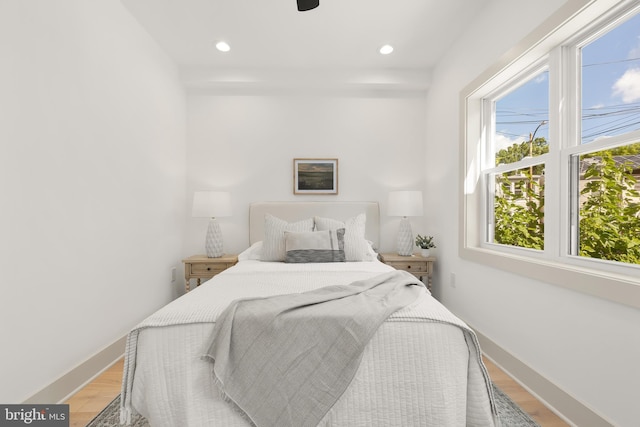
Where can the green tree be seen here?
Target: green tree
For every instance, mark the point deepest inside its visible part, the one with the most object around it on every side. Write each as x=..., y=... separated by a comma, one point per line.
x=519, y=214
x=610, y=215
x=609, y=211
x=517, y=152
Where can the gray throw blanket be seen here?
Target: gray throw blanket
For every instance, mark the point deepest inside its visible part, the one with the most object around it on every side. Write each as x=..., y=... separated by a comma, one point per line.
x=285, y=360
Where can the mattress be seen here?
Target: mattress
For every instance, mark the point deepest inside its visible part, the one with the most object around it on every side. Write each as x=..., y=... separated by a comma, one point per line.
x=421, y=368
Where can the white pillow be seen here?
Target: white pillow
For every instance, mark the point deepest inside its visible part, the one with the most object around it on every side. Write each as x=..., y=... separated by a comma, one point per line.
x=356, y=247
x=254, y=252
x=372, y=254
x=273, y=246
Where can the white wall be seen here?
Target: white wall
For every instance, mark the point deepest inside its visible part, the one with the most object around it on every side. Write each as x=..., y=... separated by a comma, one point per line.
x=92, y=184
x=586, y=346
x=94, y=212
x=246, y=144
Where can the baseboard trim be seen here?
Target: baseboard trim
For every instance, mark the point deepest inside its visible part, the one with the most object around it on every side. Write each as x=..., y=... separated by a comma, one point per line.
x=68, y=384
x=563, y=404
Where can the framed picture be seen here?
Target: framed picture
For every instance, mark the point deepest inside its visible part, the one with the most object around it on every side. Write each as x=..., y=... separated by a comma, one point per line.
x=315, y=176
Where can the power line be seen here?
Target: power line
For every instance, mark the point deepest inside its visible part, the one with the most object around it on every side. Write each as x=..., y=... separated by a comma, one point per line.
x=609, y=131
x=599, y=121
x=610, y=62
x=508, y=134
x=618, y=121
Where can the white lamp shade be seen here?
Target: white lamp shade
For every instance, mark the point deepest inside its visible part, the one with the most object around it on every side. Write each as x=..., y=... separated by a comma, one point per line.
x=211, y=204
x=405, y=203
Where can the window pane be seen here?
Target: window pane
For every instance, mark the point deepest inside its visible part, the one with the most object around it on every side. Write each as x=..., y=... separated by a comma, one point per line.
x=611, y=82
x=518, y=209
x=522, y=117
x=609, y=204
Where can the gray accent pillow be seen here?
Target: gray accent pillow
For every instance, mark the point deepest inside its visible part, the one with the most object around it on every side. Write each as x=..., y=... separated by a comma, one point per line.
x=318, y=246
x=356, y=247
x=273, y=248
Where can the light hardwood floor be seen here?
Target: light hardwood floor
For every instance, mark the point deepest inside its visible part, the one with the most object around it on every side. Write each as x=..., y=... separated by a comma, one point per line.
x=529, y=404
x=90, y=400
x=95, y=396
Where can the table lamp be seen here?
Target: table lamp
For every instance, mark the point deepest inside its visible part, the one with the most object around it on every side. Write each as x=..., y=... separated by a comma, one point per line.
x=405, y=204
x=212, y=204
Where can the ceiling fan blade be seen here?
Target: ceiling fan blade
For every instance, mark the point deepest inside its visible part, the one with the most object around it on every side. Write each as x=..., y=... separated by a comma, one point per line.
x=304, y=5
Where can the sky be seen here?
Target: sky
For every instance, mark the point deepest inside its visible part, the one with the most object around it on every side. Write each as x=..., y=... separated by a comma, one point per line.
x=610, y=95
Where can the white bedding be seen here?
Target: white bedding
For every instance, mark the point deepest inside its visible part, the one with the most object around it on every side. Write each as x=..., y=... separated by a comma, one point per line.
x=421, y=368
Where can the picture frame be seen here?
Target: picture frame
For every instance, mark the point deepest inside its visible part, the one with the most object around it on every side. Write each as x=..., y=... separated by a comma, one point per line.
x=315, y=176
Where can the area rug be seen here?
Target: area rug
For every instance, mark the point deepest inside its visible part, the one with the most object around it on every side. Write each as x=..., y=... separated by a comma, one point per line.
x=510, y=414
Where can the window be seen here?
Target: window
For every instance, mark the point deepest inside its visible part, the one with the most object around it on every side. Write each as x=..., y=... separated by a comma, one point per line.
x=552, y=155
x=606, y=204
x=610, y=68
x=519, y=140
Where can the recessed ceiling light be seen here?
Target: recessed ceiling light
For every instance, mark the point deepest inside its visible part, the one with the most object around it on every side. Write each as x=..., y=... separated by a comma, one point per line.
x=386, y=49
x=223, y=46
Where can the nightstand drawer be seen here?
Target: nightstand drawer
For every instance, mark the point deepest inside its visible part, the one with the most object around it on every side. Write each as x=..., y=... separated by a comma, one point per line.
x=411, y=267
x=415, y=264
x=202, y=269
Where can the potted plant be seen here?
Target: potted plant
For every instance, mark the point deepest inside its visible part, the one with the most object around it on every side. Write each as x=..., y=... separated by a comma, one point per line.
x=425, y=243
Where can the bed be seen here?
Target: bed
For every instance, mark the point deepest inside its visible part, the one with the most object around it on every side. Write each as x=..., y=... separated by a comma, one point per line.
x=421, y=367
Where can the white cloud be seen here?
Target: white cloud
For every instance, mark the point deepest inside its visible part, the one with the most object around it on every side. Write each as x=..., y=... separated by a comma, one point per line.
x=502, y=141
x=541, y=78
x=628, y=86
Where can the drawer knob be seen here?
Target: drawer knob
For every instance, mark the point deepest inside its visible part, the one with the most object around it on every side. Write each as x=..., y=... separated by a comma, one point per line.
x=408, y=267
x=208, y=268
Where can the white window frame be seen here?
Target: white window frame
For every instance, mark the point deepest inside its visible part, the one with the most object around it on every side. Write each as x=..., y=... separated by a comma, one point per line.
x=488, y=161
x=550, y=42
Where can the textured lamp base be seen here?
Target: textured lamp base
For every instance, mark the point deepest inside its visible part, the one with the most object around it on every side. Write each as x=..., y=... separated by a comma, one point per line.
x=213, y=243
x=405, y=238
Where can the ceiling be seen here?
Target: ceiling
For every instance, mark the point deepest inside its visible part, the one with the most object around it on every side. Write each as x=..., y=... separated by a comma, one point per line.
x=270, y=37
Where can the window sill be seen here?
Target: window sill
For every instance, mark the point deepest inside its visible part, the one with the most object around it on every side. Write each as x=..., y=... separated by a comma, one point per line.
x=621, y=289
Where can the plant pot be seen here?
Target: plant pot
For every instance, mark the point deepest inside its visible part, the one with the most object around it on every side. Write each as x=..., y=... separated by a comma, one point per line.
x=424, y=252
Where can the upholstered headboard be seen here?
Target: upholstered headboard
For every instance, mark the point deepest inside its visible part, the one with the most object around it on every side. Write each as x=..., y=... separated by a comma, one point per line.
x=294, y=211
